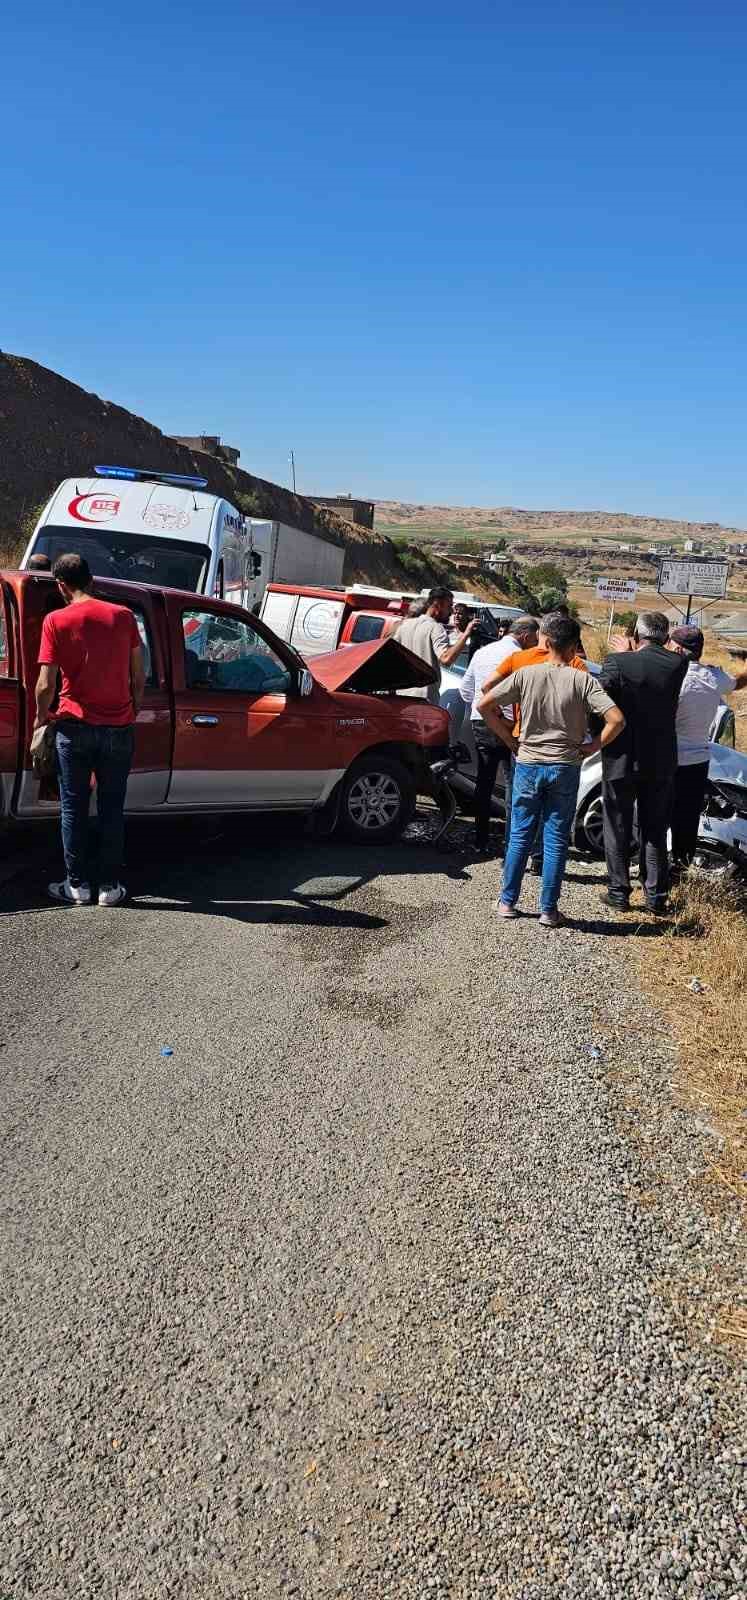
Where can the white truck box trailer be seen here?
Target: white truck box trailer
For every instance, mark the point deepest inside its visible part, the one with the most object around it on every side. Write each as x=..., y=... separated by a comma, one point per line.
x=290, y=555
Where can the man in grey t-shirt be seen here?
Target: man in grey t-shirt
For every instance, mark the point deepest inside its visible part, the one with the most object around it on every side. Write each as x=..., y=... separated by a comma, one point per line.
x=555, y=702
x=428, y=637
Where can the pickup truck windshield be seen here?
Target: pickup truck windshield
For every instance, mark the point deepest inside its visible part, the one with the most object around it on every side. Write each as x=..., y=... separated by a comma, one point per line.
x=170, y=563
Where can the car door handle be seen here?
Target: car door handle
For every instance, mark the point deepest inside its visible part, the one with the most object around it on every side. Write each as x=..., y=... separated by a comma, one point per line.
x=205, y=722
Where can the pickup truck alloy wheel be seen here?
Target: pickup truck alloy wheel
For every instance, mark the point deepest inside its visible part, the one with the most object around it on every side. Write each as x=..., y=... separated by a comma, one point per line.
x=377, y=800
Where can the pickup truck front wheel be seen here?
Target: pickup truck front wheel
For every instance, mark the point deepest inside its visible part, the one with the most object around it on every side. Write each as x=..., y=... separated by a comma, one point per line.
x=378, y=800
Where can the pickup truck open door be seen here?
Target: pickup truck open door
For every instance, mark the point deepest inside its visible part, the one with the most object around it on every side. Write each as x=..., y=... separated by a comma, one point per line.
x=151, y=766
x=10, y=706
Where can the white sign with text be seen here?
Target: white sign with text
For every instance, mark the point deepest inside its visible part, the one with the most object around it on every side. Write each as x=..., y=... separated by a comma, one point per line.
x=616, y=590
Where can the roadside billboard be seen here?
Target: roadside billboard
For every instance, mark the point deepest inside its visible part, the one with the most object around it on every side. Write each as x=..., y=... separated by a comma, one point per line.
x=704, y=578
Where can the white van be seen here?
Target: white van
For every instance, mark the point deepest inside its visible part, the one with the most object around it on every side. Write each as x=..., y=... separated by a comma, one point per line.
x=151, y=527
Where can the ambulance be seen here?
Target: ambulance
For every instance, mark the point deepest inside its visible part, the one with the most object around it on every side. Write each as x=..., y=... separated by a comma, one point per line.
x=151, y=527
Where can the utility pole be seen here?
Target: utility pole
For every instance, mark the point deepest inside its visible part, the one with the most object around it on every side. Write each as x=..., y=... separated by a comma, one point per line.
x=293, y=470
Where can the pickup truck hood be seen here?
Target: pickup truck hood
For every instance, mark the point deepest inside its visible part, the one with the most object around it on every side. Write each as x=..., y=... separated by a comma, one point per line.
x=382, y=664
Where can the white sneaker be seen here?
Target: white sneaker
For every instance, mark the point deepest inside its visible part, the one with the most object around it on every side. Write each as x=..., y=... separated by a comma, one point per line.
x=112, y=894
x=70, y=894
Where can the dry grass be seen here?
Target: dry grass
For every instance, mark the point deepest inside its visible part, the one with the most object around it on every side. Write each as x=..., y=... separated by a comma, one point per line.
x=595, y=641
x=11, y=551
x=708, y=942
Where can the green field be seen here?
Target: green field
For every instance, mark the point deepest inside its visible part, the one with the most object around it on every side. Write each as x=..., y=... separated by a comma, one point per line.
x=419, y=533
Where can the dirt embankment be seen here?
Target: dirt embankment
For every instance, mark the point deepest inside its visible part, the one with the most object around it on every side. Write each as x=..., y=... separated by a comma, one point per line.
x=52, y=429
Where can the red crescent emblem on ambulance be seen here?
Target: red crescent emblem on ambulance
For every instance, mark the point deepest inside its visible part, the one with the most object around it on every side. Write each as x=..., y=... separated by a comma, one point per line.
x=94, y=507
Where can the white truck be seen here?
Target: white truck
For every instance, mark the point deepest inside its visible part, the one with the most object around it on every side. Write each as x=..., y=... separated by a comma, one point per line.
x=166, y=529
x=290, y=555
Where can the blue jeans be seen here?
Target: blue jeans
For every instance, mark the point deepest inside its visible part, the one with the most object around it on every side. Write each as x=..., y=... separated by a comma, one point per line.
x=82, y=750
x=545, y=797
x=535, y=849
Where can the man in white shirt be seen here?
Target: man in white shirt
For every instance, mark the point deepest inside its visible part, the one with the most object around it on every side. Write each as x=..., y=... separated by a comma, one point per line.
x=489, y=748
x=700, y=698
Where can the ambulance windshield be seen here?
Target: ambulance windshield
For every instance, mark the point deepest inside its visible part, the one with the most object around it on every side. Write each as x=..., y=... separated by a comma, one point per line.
x=135, y=557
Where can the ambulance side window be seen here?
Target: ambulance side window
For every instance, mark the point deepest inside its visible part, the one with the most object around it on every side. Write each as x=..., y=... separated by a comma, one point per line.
x=234, y=560
x=234, y=564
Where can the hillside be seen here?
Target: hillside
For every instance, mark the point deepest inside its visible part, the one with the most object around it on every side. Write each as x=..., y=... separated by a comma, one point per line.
x=445, y=522
x=51, y=429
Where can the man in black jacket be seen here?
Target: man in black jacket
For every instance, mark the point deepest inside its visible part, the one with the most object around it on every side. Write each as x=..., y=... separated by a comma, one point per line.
x=643, y=678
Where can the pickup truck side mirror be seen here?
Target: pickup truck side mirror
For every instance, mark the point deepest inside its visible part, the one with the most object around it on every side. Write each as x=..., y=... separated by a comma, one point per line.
x=305, y=684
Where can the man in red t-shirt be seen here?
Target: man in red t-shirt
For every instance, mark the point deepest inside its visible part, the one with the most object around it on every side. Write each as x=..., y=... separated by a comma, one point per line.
x=95, y=647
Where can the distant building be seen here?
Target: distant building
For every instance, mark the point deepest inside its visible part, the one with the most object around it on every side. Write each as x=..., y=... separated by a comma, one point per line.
x=360, y=512
x=692, y=546
x=211, y=443
x=625, y=547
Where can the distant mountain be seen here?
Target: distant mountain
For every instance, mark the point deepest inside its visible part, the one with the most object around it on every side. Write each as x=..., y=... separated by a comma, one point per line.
x=400, y=516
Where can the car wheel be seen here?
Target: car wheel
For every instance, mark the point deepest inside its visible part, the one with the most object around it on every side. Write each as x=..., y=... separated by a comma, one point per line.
x=378, y=800
x=589, y=833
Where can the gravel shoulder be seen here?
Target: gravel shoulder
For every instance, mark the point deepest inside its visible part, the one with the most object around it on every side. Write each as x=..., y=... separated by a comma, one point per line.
x=382, y=1284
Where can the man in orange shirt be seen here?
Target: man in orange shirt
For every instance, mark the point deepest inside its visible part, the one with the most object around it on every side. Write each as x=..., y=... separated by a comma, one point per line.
x=535, y=657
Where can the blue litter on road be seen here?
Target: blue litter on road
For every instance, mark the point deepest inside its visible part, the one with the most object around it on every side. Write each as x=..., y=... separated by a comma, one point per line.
x=166, y=1050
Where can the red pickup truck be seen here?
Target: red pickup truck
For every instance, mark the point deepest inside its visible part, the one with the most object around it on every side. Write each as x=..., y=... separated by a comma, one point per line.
x=232, y=719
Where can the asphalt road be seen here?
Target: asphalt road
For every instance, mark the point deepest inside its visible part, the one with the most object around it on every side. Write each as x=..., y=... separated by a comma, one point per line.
x=392, y=1279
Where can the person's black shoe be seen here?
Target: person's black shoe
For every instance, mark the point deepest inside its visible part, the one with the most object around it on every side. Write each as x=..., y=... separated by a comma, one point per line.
x=535, y=867
x=659, y=908
x=618, y=902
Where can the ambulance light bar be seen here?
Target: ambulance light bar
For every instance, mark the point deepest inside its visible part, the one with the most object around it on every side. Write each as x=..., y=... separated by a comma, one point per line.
x=144, y=475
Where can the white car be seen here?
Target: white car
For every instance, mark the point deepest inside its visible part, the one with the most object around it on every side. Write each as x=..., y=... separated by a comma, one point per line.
x=588, y=825
x=717, y=831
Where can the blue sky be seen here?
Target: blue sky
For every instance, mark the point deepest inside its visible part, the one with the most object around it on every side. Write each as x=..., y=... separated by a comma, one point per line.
x=476, y=254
